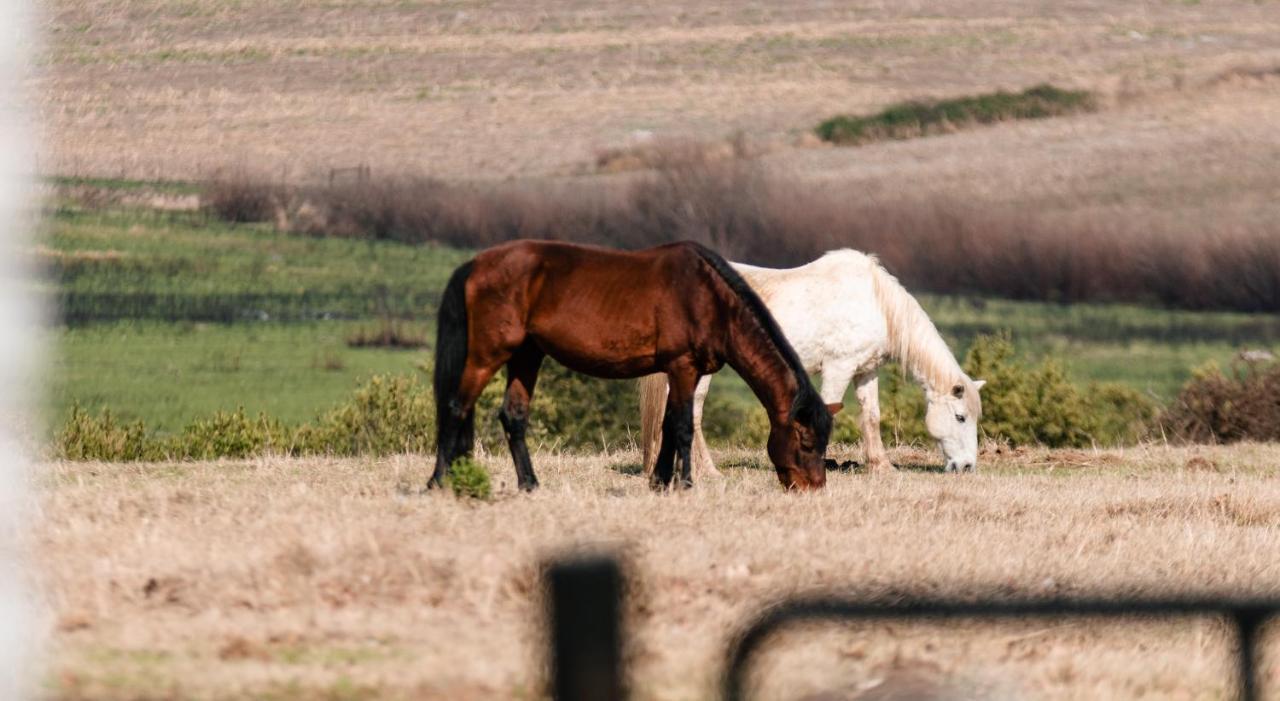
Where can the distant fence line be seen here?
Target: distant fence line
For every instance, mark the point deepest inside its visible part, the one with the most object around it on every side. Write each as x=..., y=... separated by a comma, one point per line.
x=78, y=308
x=585, y=597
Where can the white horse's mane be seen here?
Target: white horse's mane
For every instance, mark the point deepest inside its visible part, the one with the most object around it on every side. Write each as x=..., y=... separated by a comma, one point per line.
x=914, y=341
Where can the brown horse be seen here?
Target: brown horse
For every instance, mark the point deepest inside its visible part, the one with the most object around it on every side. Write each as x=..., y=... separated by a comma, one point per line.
x=679, y=309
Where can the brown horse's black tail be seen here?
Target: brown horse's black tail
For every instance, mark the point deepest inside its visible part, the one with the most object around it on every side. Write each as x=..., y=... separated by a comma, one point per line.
x=455, y=429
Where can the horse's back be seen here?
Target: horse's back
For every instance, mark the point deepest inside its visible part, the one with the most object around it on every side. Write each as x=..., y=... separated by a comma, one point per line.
x=597, y=310
x=827, y=308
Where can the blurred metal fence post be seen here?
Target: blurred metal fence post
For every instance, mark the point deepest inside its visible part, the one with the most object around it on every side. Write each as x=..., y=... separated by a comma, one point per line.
x=1247, y=621
x=585, y=602
x=1248, y=616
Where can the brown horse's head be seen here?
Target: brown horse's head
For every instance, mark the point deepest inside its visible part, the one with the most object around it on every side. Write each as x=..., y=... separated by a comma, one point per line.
x=798, y=444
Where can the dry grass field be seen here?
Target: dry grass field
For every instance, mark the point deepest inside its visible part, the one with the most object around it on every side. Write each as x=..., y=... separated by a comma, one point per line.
x=159, y=89
x=286, y=579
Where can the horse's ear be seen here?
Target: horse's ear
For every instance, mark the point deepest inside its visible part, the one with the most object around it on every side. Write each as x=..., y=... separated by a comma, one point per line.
x=957, y=391
x=978, y=384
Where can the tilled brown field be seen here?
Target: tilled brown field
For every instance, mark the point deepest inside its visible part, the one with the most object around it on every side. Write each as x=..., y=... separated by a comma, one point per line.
x=282, y=578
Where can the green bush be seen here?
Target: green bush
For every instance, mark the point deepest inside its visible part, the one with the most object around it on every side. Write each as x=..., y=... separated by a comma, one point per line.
x=569, y=410
x=388, y=415
x=911, y=119
x=468, y=479
x=1125, y=416
x=1021, y=405
x=1028, y=406
x=229, y=435
x=88, y=437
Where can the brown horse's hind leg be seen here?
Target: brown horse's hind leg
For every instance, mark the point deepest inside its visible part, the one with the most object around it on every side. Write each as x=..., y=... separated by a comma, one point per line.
x=522, y=375
x=462, y=415
x=677, y=432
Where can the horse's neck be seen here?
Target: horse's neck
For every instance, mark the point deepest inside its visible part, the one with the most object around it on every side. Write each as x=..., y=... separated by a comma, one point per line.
x=756, y=358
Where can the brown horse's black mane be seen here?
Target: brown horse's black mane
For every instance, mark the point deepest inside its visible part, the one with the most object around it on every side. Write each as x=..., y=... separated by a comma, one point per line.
x=808, y=405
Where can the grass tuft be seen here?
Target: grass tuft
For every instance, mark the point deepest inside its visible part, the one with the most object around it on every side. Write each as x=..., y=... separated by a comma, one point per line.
x=469, y=480
x=909, y=120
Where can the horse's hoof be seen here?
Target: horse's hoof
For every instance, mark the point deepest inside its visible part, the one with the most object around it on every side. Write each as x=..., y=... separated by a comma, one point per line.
x=528, y=486
x=846, y=466
x=881, y=467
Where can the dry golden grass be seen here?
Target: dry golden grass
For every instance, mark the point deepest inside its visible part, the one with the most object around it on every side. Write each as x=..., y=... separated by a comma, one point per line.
x=286, y=578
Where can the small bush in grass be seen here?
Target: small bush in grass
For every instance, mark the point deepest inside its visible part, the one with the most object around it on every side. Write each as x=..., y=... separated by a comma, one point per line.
x=1125, y=416
x=1028, y=406
x=569, y=410
x=1224, y=407
x=388, y=415
x=229, y=435
x=468, y=479
x=911, y=119
x=1021, y=405
x=240, y=199
x=88, y=437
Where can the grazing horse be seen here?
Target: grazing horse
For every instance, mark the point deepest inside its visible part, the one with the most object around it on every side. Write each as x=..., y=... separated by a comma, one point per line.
x=845, y=315
x=678, y=309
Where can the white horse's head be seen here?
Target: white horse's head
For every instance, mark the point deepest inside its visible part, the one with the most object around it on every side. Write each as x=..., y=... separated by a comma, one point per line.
x=952, y=420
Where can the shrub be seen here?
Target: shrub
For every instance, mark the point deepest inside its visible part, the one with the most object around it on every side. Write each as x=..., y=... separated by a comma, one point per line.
x=388, y=415
x=1124, y=415
x=88, y=437
x=229, y=435
x=912, y=119
x=1021, y=405
x=1221, y=407
x=1027, y=406
x=468, y=479
x=569, y=410
x=902, y=407
x=241, y=198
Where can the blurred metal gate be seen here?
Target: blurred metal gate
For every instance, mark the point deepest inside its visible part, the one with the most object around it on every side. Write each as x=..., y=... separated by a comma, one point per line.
x=585, y=598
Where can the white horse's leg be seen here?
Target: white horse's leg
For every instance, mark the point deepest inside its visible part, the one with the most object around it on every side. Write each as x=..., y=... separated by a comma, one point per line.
x=703, y=465
x=868, y=392
x=835, y=380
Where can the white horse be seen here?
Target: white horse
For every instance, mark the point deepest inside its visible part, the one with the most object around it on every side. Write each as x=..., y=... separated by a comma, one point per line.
x=846, y=315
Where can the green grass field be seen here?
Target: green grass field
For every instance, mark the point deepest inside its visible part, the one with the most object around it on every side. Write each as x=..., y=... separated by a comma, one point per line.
x=168, y=318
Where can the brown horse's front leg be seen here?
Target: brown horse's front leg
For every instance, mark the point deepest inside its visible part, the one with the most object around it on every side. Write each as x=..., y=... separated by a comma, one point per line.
x=677, y=433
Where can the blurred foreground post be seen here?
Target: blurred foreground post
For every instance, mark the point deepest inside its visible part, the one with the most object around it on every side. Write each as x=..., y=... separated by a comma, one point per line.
x=585, y=605
x=20, y=321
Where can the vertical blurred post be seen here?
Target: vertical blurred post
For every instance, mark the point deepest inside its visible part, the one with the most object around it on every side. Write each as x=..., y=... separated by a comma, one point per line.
x=586, y=629
x=1248, y=624
x=19, y=318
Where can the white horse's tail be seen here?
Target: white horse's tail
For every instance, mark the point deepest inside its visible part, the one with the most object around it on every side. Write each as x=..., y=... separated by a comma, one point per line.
x=653, y=406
